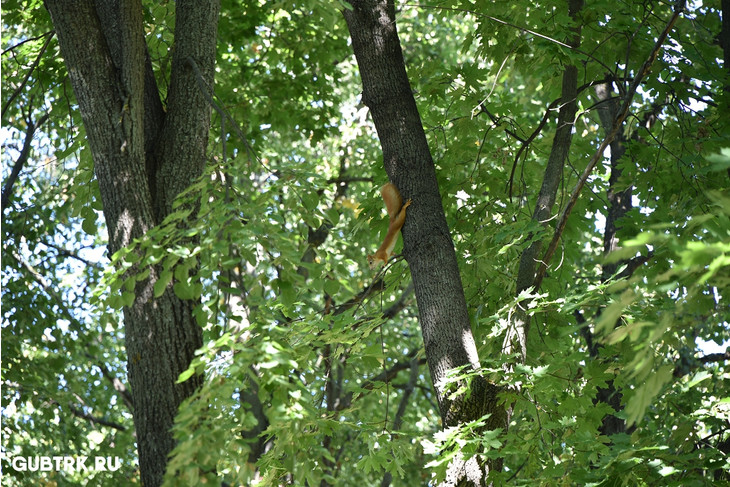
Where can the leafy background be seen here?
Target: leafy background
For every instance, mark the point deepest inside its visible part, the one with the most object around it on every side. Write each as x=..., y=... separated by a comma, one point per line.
x=299, y=329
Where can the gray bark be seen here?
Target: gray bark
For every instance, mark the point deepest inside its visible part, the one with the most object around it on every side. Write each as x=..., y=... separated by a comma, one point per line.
x=104, y=50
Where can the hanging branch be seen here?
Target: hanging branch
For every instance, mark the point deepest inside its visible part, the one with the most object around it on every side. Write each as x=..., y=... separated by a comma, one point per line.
x=617, y=126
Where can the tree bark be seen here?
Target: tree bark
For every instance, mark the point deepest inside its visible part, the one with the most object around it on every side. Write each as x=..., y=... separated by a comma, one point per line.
x=428, y=247
x=134, y=144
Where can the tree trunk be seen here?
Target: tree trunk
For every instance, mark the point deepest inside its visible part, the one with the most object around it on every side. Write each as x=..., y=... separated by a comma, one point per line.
x=428, y=247
x=143, y=158
x=516, y=338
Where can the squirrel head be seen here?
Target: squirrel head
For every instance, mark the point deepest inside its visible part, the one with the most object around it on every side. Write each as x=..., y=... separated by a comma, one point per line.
x=375, y=262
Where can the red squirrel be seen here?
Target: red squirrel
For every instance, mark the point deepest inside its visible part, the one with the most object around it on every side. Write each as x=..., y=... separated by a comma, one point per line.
x=397, y=214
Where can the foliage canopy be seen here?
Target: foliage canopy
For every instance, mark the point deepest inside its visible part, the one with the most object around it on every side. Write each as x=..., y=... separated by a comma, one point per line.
x=314, y=368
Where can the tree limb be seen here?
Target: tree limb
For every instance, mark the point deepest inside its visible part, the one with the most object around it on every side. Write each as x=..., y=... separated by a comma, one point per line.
x=117, y=384
x=685, y=366
x=74, y=255
x=79, y=413
x=385, y=376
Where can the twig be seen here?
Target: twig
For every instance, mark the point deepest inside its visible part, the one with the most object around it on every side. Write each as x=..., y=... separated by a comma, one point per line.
x=117, y=384
x=30, y=39
x=526, y=143
x=398, y=420
x=524, y=30
x=67, y=253
x=683, y=367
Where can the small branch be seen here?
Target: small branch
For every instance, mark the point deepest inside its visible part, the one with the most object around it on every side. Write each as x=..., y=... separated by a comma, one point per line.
x=715, y=357
x=117, y=384
x=634, y=264
x=400, y=304
x=684, y=366
x=27, y=75
x=524, y=30
x=20, y=162
x=74, y=410
x=67, y=253
x=374, y=286
x=410, y=386
x=93, y=419
x=206, y=92
x=350, y=179
x=30, y=39
x=385, y=376
x=526, y=143
x=617, y=126
x=46, y=286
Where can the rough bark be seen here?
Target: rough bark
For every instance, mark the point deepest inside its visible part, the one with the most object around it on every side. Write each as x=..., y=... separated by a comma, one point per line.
x=103, y=47
x=428, y=247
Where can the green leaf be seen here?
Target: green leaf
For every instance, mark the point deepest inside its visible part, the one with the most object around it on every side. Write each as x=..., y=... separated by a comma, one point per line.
x=184, y=290
x=88, y=224
x=162, y=282
x=331, y=286
x=644, y=394
x=287, y=293
x=721, y=161
x=128, y=298
x=188, y=373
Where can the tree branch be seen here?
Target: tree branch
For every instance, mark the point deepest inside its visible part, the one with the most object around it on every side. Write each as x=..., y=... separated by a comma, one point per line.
x=384, y=376
x=21, y=161
x=79, y=413
x=30, y=39
x=117, y=384
x=32, y=68
x=67, y=253
x=684, y=367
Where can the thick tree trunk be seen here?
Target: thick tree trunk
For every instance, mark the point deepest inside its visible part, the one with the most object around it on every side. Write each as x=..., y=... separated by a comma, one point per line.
x=428, y=247
x=104, y=50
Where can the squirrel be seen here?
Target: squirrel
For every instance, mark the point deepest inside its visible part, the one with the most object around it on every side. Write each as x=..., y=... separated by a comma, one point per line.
x=397, y=214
